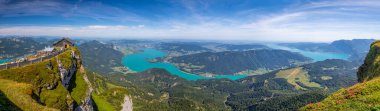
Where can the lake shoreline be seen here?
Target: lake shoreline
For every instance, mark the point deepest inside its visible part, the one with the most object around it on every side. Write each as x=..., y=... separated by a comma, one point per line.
x=140, y=62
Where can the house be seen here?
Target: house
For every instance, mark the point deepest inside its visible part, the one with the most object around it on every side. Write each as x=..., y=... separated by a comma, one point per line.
x=63, y=44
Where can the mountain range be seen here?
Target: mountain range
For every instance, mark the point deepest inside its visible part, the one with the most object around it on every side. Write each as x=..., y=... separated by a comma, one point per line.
x=232, y=62
x=356, y=48
x=292, y=83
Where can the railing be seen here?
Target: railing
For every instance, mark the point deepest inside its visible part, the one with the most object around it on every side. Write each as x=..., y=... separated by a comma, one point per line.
x=28, y=62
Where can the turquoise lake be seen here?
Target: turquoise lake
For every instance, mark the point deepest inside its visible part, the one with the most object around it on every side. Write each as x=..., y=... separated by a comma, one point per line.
x=5, y=60
x=316, y=56
x=139, y=62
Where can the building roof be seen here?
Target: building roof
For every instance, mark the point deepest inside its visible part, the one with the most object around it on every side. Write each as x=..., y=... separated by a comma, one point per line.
x=67, y=39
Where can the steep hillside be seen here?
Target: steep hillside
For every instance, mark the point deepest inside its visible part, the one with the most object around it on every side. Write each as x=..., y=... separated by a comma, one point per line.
x=158, y=89
x=301, y=85
x=12, y=47
x=356, y=48
x=231, y=62
x=362, y=96
x=100, y=57
x=106, y=96
x=40, y=86
x=370, y=68
x=330, y=74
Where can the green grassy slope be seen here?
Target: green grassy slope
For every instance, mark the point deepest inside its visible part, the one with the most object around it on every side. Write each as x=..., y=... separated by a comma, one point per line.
x=295, y=75
x=78, y=88
x=363, y=96
x=36, y=77
x=19, y=94
x=107, y=96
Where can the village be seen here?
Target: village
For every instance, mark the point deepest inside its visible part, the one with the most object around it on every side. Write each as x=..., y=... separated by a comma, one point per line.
x=57, y=48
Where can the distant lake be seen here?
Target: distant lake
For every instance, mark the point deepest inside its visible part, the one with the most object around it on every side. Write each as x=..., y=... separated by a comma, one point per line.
x=316, y=56
x=139, y=62
x=5, y=60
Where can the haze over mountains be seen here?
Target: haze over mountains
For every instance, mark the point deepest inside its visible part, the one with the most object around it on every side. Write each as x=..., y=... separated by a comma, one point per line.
x=357, y=48
x=272, y=79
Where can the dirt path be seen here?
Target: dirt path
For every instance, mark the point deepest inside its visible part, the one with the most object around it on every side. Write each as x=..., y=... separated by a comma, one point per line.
x=127, y=105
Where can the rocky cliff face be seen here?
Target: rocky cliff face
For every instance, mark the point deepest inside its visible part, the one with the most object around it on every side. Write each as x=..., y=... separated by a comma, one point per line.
x=58, y=83
x=371, y=65
x=87, y=103
x=67, y=74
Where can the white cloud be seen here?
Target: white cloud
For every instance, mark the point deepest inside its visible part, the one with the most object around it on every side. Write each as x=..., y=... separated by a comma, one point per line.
x=317, y=21
x=93, y=10
x=26, y=8
x=98, y=27
x=210, y=31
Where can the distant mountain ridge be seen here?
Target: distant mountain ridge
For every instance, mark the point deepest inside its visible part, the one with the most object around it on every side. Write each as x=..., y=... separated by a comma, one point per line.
x=12, y=47
x=182, y=47
x=242, y=47
x=230, y=62
x=100, y=57
x=357, y=48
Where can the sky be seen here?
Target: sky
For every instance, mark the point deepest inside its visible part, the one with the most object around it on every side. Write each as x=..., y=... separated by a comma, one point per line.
x=251, y=20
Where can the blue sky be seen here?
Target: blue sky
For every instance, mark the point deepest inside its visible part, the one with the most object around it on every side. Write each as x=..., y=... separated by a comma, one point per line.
x=256, y=20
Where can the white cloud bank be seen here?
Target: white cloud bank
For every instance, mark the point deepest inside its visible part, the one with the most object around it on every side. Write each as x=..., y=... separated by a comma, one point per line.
x=255, y=32
x=320, y=21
